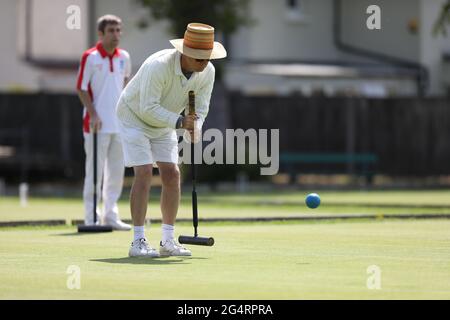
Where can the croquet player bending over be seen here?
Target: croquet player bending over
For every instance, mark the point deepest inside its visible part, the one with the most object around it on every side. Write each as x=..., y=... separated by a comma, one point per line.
x=149, y=112
x=103, y=73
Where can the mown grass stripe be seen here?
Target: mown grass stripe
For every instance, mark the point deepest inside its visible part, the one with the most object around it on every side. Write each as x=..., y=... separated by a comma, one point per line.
x=245, y=219
x=32, y=223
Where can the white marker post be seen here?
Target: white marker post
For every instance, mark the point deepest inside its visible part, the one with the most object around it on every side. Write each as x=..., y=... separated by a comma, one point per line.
x=23, y=194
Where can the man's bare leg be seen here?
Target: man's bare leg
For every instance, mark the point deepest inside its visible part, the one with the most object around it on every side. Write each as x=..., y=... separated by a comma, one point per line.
x=138, y=205
x=170, y=194
x=170, y=200
x=140, y=193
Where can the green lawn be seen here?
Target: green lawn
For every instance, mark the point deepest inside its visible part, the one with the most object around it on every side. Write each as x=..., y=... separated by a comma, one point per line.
x=388, y=197
x=249, y=261
x=271, y=260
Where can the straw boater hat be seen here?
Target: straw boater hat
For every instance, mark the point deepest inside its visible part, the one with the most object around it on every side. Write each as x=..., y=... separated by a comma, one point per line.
x=198, y=43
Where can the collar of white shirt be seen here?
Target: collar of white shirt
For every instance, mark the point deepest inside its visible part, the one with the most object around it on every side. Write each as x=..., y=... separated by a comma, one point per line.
x=178, y=70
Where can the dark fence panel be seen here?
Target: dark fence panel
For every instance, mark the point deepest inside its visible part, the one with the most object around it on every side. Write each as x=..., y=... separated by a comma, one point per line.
x=45, y=131
x=409, y=136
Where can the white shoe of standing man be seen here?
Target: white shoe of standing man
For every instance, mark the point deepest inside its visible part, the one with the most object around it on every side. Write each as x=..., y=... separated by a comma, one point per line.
x=141, y=248
x=118, y=225
x=172, y=248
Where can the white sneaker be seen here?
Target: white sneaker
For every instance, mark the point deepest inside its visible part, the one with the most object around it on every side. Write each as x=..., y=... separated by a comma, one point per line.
x=118, y=225
x=141, y=248
x=173, y=248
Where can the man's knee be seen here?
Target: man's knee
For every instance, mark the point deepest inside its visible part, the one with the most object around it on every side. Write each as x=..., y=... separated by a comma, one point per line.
x=170, y=175
x=143, y=174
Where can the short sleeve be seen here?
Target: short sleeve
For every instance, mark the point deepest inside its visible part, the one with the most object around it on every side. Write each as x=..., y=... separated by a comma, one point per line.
x=84, y=72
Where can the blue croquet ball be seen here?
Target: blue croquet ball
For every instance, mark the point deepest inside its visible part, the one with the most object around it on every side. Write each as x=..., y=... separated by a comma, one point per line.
x=312, y=200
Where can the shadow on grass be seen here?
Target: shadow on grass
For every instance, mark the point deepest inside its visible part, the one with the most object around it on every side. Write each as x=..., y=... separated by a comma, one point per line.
x=71, y=234
x=76, y=233
x=162, y=260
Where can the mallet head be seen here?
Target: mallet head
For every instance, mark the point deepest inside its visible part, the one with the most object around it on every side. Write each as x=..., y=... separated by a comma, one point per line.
x=198, y=241
x=94, y=228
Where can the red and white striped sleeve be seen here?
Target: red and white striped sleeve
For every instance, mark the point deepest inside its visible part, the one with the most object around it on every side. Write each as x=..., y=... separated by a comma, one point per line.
x=85, y=72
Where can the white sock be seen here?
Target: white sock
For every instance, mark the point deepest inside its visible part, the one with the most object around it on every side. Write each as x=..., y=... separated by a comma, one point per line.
x=168, y=231
x=139, y=232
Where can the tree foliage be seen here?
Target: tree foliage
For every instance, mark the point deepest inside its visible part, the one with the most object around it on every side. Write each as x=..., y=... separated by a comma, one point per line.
x=225, y=15
x=443, y=21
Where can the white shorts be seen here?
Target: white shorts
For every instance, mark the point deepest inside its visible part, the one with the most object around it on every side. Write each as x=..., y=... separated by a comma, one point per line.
x=141, y=147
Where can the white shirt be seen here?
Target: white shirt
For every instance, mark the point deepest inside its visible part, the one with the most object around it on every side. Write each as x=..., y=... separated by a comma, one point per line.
x=103, y=76
x=158, y=93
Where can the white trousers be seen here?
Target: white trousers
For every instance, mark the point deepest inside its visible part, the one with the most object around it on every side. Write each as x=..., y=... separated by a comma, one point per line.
x=110, y=172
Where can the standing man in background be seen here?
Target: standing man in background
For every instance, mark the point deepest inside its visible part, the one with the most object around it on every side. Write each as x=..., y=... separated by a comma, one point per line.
x=104, y=71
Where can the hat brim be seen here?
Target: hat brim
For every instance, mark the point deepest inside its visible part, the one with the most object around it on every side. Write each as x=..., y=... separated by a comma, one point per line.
x=218, y=52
